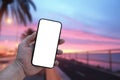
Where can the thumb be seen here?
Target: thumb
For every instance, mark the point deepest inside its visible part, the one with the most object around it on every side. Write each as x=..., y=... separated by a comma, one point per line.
x=30, y=38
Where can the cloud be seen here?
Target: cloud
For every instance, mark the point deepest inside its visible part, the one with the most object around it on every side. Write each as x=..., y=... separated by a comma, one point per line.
x=77, y=40
x=81, y=35
x=12, y=32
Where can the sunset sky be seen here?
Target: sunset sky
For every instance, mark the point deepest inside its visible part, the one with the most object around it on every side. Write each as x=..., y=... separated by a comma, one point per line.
x=87, y=24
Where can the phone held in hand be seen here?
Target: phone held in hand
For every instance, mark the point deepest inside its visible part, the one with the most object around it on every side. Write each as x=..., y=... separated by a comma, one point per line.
x=48, y=34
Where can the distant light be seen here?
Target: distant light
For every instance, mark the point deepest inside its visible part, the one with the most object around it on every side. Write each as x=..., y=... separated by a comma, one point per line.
x=16, y=44
x=71, y=51
x=9, y=20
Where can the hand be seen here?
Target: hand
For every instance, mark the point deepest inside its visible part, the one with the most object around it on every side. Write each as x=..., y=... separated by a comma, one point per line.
x=24, y=55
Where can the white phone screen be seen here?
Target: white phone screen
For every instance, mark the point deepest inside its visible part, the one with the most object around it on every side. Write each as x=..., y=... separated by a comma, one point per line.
x=46, y=44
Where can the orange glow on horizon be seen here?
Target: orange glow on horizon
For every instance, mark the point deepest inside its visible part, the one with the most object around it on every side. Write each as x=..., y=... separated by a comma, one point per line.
x=71, y=51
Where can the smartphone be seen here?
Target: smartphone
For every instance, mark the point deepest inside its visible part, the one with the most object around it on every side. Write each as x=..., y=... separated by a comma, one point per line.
x=46, y=44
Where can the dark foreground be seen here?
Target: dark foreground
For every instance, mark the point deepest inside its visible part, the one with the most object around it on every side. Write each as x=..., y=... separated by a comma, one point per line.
x=78, y=71
x=75, y=71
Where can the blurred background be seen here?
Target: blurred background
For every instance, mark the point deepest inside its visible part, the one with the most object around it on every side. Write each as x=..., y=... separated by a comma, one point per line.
x=90, y=29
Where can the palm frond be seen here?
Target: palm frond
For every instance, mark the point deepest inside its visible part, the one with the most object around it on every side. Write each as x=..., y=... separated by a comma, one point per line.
x=20, y=10
x=22, y=18
x=25, y=10
x=2, y=10
x=33, y=5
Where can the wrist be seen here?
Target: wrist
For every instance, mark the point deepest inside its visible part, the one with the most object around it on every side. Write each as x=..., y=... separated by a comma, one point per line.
x=20, y=70
x=13, y=72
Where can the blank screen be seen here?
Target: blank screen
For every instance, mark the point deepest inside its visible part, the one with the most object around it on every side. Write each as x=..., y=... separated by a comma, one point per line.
x=46, y=43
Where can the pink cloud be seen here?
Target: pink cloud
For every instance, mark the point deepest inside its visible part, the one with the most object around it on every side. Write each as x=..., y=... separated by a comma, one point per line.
x=80, y=35
x=67, y=34
x=86, y=47
x=14, y=31
x=77, y=34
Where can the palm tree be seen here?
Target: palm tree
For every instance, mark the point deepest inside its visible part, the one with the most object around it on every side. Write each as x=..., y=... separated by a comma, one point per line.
x=18, y=9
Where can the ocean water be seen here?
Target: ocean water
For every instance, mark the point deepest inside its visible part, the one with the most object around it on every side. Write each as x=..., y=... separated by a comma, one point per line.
x=101, y=60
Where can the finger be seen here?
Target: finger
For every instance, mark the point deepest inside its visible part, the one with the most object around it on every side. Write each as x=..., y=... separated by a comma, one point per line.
x=30, y=38
x=32, y=45
x=61, y=41
x=56, y=63
x=59, y=52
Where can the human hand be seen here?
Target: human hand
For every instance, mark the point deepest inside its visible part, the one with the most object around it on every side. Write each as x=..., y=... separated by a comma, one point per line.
x=24, y=55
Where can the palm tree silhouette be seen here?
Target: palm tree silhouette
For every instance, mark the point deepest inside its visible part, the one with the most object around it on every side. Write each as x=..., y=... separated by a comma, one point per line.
x=18, y=9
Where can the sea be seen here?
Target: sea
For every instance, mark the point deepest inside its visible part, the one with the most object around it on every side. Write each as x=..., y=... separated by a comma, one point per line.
x=102, y=60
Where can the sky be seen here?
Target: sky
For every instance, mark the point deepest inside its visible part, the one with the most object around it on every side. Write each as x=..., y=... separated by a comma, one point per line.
x=86, y=24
